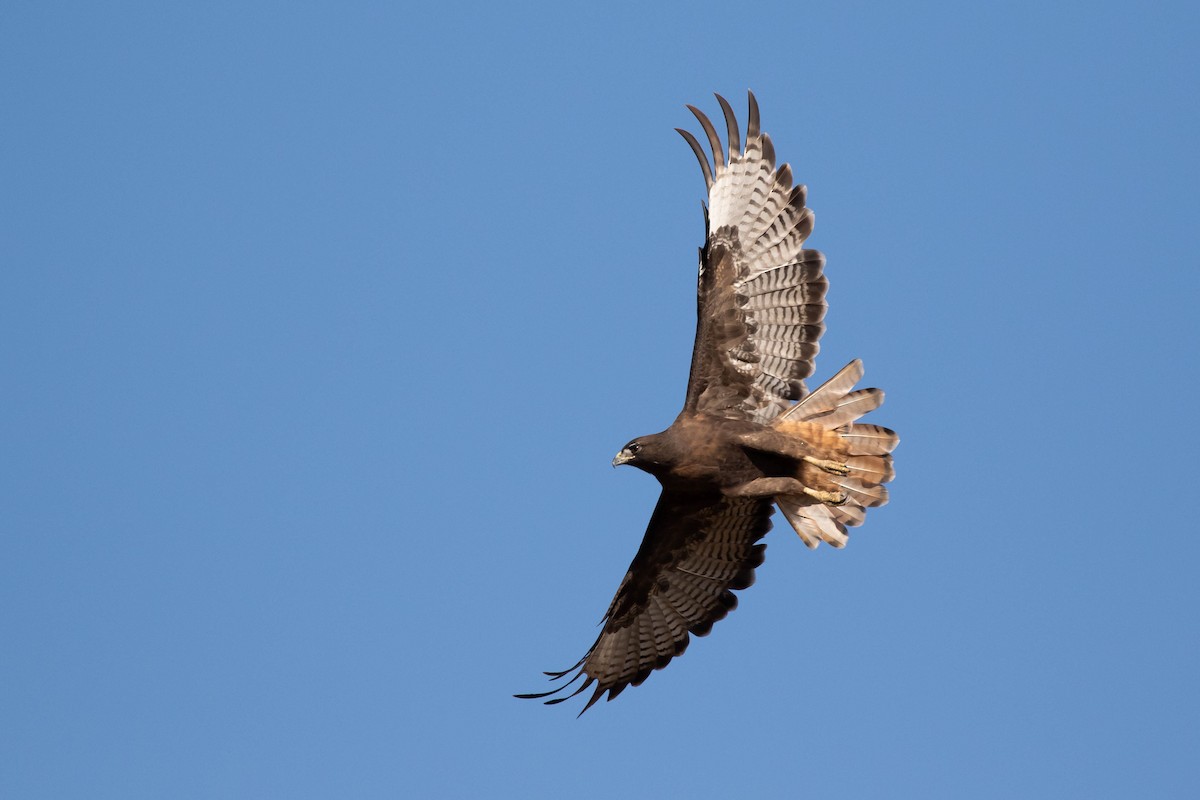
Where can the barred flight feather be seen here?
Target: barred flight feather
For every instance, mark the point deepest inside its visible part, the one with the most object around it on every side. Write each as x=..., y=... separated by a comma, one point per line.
x=790, y=229
x=791, y=316
x=796, y=334
x=788, y=297
x=653, y=616
x=756, y=225
x=783, y=277
x=778, y=347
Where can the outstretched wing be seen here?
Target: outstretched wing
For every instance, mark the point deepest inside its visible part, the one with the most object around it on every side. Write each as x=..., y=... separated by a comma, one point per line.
x=760, y=295
x=695, y=552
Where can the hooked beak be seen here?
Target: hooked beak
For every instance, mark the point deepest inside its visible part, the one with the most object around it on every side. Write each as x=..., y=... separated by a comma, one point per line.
x=623, y=457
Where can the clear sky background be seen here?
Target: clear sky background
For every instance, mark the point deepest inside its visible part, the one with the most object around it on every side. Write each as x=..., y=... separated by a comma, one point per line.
x=320, y=323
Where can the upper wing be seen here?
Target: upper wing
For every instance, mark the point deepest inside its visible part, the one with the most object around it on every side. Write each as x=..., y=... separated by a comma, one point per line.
x=760, y=294
x=694, y=553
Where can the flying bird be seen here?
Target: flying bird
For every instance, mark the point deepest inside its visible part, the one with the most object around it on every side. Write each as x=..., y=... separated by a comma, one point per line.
x=750, y=436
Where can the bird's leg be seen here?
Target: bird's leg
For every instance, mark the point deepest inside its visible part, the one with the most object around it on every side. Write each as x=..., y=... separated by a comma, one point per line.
x=773, y=487
x=792, y=447
x=775, y=442
x=767, y=487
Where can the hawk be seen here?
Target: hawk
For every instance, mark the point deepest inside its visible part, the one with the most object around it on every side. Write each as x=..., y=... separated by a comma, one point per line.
x=750, y=436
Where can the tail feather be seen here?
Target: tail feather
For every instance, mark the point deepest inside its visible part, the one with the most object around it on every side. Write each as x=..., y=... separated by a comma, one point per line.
x=866, y=495
x=827, y=420
x=851, y=407
x=874, y=469
x=871, y=440
x=813, y=521
x=849, y=514
x=825, y=398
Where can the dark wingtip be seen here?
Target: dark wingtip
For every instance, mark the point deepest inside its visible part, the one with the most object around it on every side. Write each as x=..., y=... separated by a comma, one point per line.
x=699, y=151
x=768, y=149
x=731, y=128
x=562, y=673
x=555, y=676
x=555, y=690
x=783, y=176
x=591, y=702
x=714, y=141
x=799, y=196
x=752, y=126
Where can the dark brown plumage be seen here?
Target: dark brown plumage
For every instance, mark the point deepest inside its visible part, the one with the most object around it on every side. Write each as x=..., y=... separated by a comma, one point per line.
x=741, y=444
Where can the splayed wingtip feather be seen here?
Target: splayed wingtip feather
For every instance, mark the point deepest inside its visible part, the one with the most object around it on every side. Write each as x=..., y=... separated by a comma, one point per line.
x=731, y=128
x=700, y=156
x=752, y=125
x=714, y=141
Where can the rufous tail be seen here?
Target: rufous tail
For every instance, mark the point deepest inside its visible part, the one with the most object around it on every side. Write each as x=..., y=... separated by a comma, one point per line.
x=827, y=421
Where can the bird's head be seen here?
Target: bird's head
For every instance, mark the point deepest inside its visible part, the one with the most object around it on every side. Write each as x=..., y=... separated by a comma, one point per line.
x=649, y=453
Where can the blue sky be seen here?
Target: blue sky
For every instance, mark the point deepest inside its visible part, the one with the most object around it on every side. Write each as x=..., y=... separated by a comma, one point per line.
x=320, y=323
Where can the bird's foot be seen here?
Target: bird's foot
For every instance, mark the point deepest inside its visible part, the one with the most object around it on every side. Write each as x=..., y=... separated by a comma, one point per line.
x=829, y=498
x=829, y=466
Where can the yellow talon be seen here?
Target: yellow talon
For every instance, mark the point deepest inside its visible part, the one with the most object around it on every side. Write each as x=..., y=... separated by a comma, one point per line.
x=829, y=498
x=828, y=466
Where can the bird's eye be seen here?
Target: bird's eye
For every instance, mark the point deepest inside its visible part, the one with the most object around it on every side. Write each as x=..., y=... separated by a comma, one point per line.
x=634, y=448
